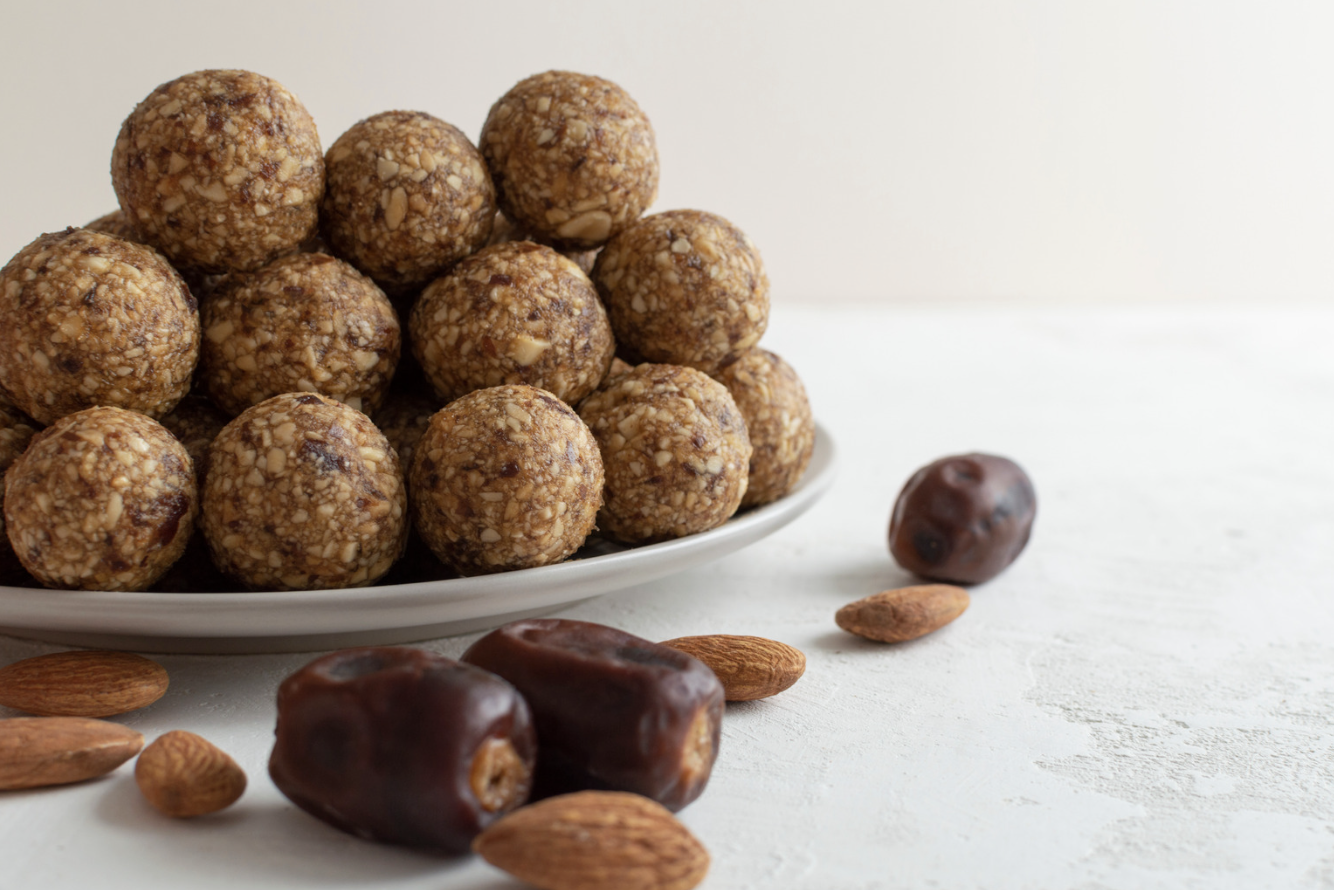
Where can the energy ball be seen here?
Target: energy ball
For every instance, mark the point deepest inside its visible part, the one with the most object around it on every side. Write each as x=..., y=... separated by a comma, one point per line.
x=16, y=431
x=505, y=231
x=513, y=313
x=684, y=287
x=304, y=492
x=963, y=519
x=675, y=449
x=196, y=422
x=103, y=499
x=116, y=224
x=408, y=195
x=220, y=170
x=304, y=323
x=94, y=320
x=505, y=478
x=778, y=419
x=573, y=158
x=404, y=419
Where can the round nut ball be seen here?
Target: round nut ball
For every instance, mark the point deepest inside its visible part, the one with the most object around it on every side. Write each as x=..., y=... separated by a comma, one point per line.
x=778, y=419
x=505, y=478
x=116, y=224
x=573, y=158
x=103, y=499
x=403, y=419
x=94, y=320
x=304, y=492
x=684, y=287
x=505, y=231
x=220, y=170
x=408, y=195
x=963, y=519
x=675, y=449
x=196, y=422
x=513, y=313
x=306, y=322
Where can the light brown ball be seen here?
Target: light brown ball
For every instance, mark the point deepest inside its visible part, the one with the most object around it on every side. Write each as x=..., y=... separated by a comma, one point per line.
x=103, y=499
x=220, y=170
x=304, y=323
x=408, y=195
x=304, y=492
x=675, y=450
x=514, y=313
x=505, y=478
x=93, y=320
x=778, y=418
x=684, y=287
x=572, y=156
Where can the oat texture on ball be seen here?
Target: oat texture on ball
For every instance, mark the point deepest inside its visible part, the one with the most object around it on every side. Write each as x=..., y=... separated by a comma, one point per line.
x=573, y=158
x=220, y=170
x=685, y=288
x=91, y=320
x=675, y=449
x=304, y=492
x=408, y=194
x=103, y=499
x=505, y=231
x=505, y=478
x=306, y=322
x=513, y=313
x=778, y=418
x=117, y=224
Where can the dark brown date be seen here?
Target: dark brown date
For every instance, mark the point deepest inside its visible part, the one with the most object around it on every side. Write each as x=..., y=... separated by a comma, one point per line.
x=962, y=519
x=403, y=746
x=612, y=710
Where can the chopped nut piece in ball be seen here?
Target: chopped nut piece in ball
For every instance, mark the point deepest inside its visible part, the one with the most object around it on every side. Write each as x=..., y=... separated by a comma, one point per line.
x=684, y=287
x=94, y=320
x=513, y=313
x=778, y=419
x=408, y=195
x=573, y=158
x=306, y=322
x=103, y=499
x=304, y=492
x=220, y=170
x=505, y=478
x=675, y=449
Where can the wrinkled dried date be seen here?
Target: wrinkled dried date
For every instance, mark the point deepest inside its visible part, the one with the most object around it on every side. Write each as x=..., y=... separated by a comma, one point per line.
x=962, y=519
x=403, y=746
x=612, y=710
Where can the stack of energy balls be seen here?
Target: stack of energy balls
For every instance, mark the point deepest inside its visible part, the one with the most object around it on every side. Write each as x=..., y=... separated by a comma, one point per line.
x=305, y=355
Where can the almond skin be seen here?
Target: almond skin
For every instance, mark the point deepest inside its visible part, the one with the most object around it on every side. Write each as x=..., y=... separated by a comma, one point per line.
x=38, y=751
x=186, y=775
x=595, y=840
x=893, y=616
x=748, y=667
x=82, y=684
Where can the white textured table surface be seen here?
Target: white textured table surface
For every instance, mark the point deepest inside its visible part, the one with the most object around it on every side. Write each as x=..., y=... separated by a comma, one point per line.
x=1145, y=699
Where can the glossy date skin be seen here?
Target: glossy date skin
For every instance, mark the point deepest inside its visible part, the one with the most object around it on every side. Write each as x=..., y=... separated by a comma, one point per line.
x=612, y=710
x=402, y=746
x=963, y=519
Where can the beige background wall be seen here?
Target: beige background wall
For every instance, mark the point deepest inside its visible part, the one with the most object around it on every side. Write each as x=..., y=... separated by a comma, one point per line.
x=906, y=151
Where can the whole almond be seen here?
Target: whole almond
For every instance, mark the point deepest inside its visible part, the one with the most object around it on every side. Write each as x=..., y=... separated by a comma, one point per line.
x=185, y=775
x=748, y=667
x=82, y=684
x=595, y=840
x=37, y=751
x=893, y=616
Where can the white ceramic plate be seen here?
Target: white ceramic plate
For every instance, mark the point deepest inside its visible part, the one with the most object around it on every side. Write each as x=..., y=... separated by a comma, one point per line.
x=299, y=621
